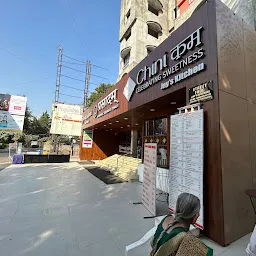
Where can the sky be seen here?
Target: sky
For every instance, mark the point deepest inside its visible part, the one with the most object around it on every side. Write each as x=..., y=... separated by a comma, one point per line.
x=31, y=31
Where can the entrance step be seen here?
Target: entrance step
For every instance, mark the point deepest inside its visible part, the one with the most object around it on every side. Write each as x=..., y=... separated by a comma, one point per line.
x=122, y=166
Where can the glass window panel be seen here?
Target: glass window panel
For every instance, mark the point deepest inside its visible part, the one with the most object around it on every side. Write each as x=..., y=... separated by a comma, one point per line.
x=149, y=128
x=160, y=126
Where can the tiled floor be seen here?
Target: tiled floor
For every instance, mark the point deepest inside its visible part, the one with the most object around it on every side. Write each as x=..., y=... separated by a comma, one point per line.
x=61, y=209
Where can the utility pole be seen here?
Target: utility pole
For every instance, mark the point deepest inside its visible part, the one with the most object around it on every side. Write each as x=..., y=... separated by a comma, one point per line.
x=57, y=90
x=57, y=94
x=87, y=83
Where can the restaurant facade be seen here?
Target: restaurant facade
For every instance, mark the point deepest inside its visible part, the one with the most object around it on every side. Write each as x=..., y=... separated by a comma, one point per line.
x=210, y=60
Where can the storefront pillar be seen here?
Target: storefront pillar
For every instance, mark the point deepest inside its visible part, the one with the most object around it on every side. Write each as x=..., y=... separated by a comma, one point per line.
x=134, y=141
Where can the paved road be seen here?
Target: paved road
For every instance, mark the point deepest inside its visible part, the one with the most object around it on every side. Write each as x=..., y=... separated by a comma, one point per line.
x=62, y=210
x=4, y=157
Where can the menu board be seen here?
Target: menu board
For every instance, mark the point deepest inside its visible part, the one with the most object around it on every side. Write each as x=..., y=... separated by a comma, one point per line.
x=149, y=177
x=186, y=158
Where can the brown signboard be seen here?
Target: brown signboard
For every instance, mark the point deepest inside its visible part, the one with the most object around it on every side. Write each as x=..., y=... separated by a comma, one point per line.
x=184, y=59
x=111, y=104
x=201, y=93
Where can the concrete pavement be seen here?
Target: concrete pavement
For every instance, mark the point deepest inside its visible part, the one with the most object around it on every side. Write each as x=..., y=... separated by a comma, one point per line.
x=61, y=209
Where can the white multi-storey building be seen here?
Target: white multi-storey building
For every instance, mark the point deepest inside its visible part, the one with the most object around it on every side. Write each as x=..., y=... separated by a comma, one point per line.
x=144, y=24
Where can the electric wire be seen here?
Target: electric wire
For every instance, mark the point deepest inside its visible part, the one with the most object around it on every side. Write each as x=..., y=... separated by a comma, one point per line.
x=73, y=78
x=84, y=72
x=73, y=96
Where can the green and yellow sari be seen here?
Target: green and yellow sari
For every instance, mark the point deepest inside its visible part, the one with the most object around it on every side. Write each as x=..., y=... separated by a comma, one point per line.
x=179, y=242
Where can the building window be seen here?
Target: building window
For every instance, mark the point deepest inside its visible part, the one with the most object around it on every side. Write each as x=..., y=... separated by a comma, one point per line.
x=156, y=131
x=154, y=29
x=128, y=35
x=152, y=32
x=152, y=9
x=156, y=127
x=176, y=12
x=126, y=59
x=155, y=7
x=127, y=16
x=150, y=48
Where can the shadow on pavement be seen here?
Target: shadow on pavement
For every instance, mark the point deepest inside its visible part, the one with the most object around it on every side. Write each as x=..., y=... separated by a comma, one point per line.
x=3, y=166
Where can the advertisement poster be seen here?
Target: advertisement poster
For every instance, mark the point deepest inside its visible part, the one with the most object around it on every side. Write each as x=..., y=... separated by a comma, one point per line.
x=186, y=159
x=67, y=120
x=17, y=105
x=149, y=177
x=11, y=123
x=87, y=139
x=4, y=102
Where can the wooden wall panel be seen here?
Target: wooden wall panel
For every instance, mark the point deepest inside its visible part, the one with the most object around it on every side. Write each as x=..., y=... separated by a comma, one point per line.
x=236, y=62
x=236, y=166
x=104, y=144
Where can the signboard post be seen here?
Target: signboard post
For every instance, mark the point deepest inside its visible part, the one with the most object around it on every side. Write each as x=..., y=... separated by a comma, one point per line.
x=12, y=146
x=186, y=160
x=87, y=139
x=149, y=177
x=66, y=120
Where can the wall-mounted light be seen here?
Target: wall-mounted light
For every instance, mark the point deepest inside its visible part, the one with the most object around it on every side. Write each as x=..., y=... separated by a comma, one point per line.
x=152, y=110
x=117, y=121
x=110, y=123
x=126, y=118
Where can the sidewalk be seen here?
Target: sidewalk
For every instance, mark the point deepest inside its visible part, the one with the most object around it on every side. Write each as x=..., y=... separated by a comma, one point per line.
x=63, y=210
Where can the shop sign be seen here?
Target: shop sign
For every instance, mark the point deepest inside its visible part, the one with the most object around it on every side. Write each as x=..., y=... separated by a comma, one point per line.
x=109, y=101
x=162, y=68
x=87, y=117
x=200, y=93
x=87, y=139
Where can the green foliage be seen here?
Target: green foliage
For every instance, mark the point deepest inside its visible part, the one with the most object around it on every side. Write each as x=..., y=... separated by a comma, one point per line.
x=3, y=146
x=36, y=126
x=35, y=129
x=99, y=91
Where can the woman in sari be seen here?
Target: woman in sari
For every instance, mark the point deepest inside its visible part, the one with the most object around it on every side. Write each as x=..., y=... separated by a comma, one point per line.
x=172, y=237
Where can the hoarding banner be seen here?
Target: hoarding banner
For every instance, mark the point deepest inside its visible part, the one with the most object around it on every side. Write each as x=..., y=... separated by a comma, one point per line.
x=67, y=120
x=17, y=105
x=4, y=101
x=186, y=160
x=149, y=177
x=11, y=123
x=87, y=139
x=68, y=109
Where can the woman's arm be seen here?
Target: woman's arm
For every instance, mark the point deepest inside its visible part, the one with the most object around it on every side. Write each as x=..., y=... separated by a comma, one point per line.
x=151, y=241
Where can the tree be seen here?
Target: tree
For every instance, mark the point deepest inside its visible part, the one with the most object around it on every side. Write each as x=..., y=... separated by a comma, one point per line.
x=44, y=123
x=99, y=91
x=36, y=126
x=27, y=121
